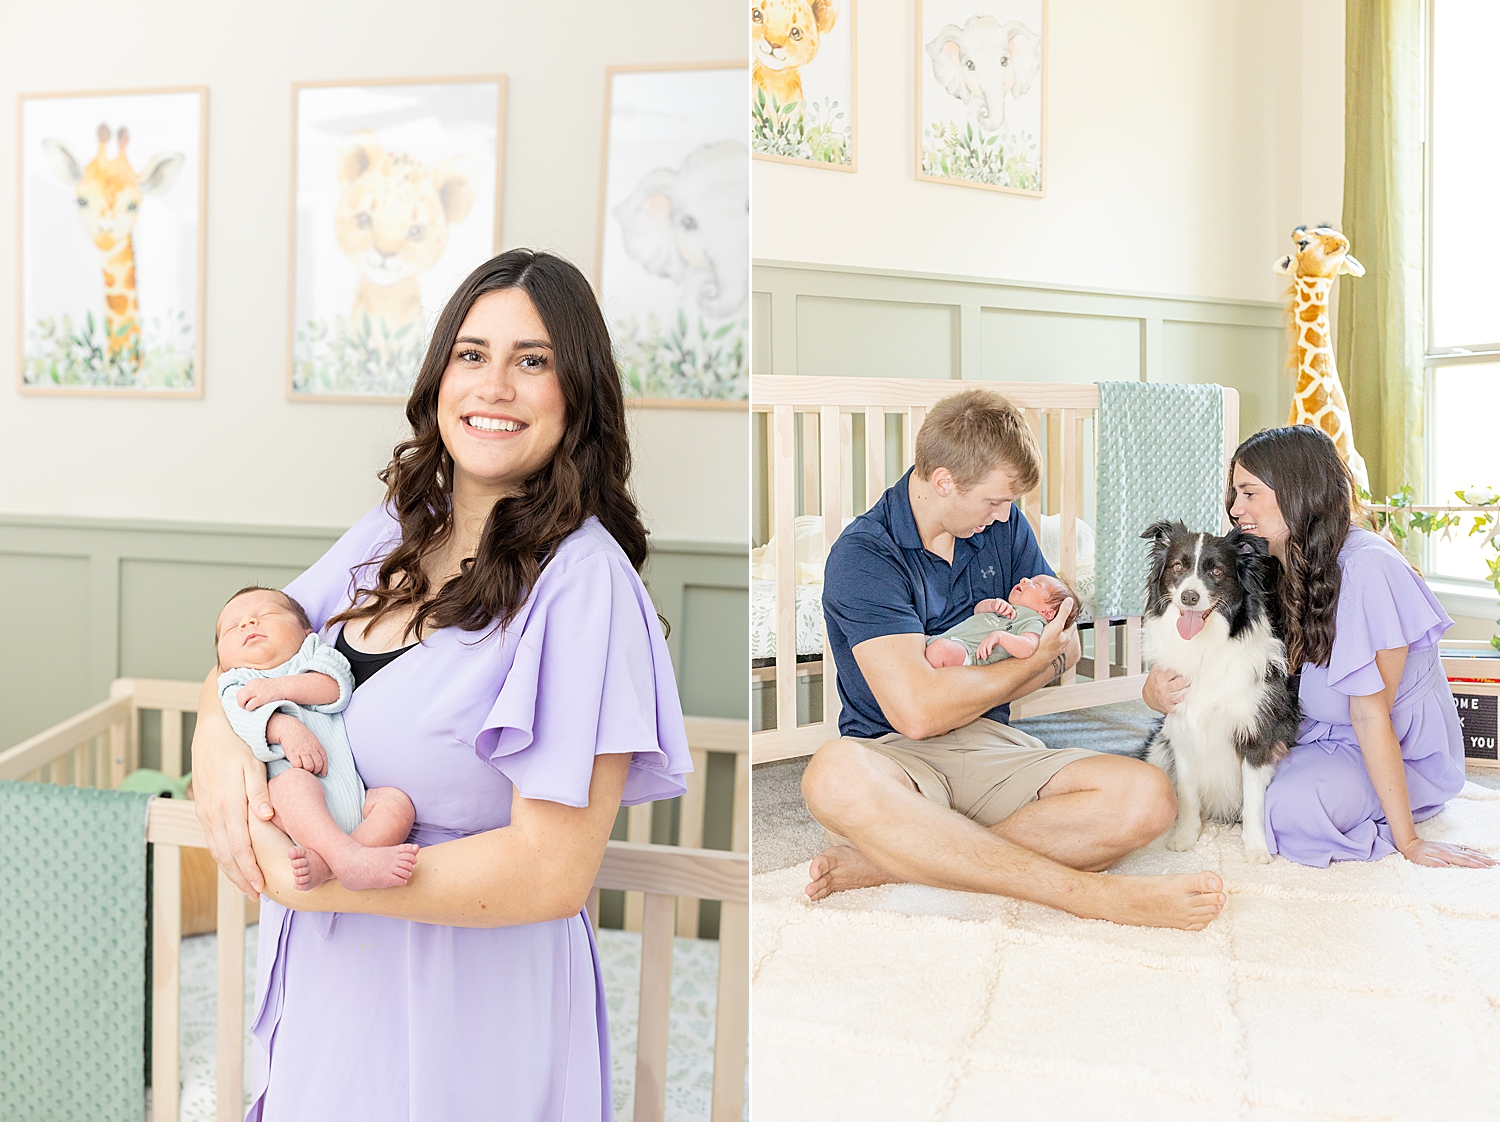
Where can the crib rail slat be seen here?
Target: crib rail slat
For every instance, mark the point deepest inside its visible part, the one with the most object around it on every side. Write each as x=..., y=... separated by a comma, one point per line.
x=829, y=427
x=690, y=834
x=655, y=1009
x=171, y=742
x=914, y=418
x=41, y=750
x=229, y=1042
x=166, y=955
x=784, y=513
x=732, y=1014
x=874, y=455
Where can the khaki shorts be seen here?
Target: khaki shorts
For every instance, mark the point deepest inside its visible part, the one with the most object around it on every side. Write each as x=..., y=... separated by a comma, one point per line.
x=986, y=770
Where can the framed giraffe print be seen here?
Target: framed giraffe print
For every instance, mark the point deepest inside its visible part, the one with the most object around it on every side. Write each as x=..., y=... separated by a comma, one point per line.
x=981, y=86
x=112, y=188
x=396, y=189
x=674, y=233
x=803, y=88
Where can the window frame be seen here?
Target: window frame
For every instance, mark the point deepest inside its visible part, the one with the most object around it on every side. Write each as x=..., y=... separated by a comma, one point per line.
x=1435, y=358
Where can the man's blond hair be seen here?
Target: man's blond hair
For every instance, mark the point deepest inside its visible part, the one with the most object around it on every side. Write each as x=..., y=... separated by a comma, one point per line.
x=975, y=432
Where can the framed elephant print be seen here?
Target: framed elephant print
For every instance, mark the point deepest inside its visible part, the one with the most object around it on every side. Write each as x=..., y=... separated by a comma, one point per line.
x=802, y=82
x=674, y=232
x=396, y=189
x=982, y=94
x=111, y=256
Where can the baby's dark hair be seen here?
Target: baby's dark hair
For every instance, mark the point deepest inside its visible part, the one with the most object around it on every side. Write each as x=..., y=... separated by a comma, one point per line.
x=1058, y=597
x=297, y=609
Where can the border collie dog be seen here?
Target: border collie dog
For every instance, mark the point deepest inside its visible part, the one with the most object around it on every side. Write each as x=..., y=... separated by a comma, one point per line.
x=1209, y=617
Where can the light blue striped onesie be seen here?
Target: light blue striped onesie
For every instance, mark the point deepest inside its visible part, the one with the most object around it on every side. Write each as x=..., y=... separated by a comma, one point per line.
x=342, y=786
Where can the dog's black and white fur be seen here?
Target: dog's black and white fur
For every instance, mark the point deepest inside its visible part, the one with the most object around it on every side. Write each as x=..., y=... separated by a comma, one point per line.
x=1221, y=743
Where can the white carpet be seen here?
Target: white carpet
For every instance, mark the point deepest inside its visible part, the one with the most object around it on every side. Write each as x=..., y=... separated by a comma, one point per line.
x=1364, y=991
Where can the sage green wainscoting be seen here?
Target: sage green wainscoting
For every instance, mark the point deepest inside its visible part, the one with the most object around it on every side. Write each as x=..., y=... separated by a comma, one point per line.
x=90, y=600
x=851, y=322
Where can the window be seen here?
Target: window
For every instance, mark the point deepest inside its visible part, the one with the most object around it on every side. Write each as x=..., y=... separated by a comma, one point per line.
x=1463, y=265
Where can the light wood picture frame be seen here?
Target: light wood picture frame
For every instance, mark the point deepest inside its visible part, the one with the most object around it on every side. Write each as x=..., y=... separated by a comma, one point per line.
x=116, y=308
x=366, y=280
x=981, y=94
x=804, y=87
x=672, y=262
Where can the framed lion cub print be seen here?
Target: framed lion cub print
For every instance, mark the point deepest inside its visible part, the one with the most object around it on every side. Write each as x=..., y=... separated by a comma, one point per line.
x=396, y=189
x=803, y=89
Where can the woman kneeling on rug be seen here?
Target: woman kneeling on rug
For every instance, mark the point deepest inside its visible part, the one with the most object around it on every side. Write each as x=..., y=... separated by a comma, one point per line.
x=1380, y=745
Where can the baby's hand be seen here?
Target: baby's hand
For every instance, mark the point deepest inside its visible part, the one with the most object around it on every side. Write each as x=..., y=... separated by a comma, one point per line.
x=988, y=643
x=996, y=605
x=256, y=692
x=299, y=744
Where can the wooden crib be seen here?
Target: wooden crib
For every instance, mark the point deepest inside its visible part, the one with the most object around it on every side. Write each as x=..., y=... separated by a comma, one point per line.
x=99, y=747
x=814, y=457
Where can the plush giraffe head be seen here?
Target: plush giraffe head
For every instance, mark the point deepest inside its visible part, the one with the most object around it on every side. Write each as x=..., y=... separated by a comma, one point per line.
x=107, y=189
x=1321, y=252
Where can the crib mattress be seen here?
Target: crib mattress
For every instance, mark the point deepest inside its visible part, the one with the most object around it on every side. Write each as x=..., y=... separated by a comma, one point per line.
x=763, y=619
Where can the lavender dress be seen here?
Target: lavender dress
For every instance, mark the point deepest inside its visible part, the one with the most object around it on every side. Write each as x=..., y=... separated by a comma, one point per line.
x=386, y=1020
x=1321, y=806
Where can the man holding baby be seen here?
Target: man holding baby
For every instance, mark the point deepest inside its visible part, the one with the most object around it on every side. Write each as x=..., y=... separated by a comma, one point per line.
x=929, y=783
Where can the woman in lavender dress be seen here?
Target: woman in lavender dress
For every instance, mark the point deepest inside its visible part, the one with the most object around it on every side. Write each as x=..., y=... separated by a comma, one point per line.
x=518, y=689
x=1379, y=747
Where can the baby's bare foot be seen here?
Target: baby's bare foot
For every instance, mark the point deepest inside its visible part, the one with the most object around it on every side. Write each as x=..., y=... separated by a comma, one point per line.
x=308, y=869
x=842, y=867
x=389, y=866
x=1189, y=901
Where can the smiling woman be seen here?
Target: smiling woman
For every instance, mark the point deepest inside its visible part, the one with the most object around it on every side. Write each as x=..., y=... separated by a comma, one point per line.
x=523, y=692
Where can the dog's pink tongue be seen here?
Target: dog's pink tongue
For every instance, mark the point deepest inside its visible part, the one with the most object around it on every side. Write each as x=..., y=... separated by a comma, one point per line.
x=1190, y=623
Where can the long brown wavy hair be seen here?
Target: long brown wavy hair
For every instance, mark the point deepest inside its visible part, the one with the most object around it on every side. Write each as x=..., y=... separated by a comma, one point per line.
x=1316, y=495
x=588, y=475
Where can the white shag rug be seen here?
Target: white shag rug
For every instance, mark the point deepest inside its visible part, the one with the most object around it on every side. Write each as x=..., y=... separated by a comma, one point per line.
x=1369, y=990
x=690, y=1031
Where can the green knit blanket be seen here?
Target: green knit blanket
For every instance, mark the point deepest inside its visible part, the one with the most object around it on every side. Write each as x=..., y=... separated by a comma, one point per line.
x=72, y=954
x=1161, y=455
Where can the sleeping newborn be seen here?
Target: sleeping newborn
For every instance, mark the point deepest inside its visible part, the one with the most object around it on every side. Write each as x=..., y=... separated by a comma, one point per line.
x=1000, y=628
x=283, y=691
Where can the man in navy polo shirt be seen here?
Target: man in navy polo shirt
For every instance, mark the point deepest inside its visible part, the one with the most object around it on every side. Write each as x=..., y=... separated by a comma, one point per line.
x=929, y=783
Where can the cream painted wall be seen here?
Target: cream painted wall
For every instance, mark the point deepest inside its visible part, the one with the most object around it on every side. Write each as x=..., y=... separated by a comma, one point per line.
x=1184, y=141
x=242, y=453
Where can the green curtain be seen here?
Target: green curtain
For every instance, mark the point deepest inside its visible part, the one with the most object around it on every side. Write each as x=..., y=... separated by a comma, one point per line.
x=1381, y=329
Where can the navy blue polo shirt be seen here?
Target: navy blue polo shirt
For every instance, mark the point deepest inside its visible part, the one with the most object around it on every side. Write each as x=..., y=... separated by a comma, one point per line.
x=879, y=580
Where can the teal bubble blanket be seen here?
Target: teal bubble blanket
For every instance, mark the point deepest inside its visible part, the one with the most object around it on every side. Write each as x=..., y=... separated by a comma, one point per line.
x=72, y=954
x=1161, y=455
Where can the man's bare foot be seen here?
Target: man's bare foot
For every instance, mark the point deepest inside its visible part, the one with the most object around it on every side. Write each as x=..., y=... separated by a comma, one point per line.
x=842, y=867
x=360, y=867
x=308, y=869
x=1189, y=901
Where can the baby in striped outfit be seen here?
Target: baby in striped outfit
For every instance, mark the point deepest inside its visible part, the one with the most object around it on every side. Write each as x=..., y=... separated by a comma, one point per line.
x=284, y=691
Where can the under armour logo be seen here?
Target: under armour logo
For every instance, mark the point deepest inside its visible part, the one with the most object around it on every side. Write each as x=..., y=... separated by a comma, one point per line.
x=987, y=573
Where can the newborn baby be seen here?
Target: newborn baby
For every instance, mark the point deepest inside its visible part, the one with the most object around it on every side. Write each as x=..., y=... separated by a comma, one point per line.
x=283, y=691
x=1003, y=629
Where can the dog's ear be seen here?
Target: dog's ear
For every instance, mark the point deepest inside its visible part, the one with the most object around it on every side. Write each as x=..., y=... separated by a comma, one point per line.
x=1247, y=547
x=1158, y=532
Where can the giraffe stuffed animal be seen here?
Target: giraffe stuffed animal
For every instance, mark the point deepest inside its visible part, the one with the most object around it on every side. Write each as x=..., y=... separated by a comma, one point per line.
x=108, y=192
x=1322, y=254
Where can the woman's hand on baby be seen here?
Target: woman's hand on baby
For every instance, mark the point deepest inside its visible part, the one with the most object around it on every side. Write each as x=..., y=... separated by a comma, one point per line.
x=1442, y=855
x=996, y=606
x=299, y=744
x=256, y=692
